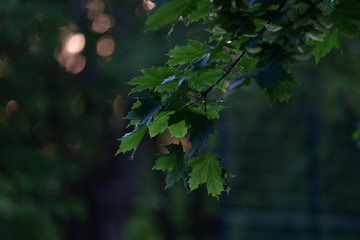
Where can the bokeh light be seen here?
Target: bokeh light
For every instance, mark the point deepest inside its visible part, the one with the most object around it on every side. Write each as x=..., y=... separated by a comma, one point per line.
x=119, y=106
x=105, y=46
x=75, y=43
x=75, y=63
x=148, y=5
x=95, y=7
x=102, y=23
x=11, y=107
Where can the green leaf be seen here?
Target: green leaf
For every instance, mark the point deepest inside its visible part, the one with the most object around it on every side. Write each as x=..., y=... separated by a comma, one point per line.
x=132, y=140
x=178, y=129
x=332, y=39
x=280, y=91
x=153, y=77
x=350, y=8
x=188, y=53
x=169, y=13
x=205, y=77
x=201, y=128
x=206, y=169
x=217, y=53
x=168, y=84
x=159, y=124
x=201, y=11
x=211, y=111
x=345, y=15
x=145, y=112
x=173, y=162
x=178, y=98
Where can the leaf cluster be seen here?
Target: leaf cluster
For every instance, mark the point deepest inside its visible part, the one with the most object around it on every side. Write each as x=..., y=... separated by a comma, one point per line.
x=251, y=40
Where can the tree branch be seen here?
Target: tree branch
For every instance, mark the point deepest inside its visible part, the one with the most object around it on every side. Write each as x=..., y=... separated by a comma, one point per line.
x=204, y=93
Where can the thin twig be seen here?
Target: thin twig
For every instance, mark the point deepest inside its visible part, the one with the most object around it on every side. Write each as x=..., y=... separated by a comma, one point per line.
x=230, y=68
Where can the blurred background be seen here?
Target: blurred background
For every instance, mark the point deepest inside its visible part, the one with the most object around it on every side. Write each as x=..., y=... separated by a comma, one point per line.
x=64, y=68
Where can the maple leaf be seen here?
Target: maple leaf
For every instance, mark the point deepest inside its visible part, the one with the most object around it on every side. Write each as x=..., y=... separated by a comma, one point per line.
x=172, y=162
x=206, y=169
x=132, y=140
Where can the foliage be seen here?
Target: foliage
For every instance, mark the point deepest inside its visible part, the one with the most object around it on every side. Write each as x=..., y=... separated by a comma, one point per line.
x=37, y=168
x=250, y=40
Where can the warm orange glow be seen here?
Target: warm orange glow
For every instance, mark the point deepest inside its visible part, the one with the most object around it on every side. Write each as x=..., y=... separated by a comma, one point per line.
x=166, y=139
x=74, y=43
x=95, y=7
x=75, y=63
x=11, y=107
x=119, y=106
x=226, y=85
x=69, y=55
x=102, y=23
x=105, y=46
x=148, y=5
x=4, y=67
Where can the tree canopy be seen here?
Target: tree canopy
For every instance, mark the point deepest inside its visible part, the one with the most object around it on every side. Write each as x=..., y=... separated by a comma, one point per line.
x=249, y=40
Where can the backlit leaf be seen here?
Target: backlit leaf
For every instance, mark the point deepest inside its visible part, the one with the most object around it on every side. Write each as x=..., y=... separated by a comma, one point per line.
x=206, y=169
x=178, y=129
x=188, y=53
x=331, y=40
x=153, y=77
x=159, y=124
x=130, y=141
x=169, y=13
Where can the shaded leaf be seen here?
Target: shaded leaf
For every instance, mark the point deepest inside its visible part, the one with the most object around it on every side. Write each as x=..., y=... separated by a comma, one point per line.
x=266, y=75
x=145, y=112
x=172, y=162
x=201, y=128
x=332, y=39
x=345, y=15
x=211, y=111
x=279, y=91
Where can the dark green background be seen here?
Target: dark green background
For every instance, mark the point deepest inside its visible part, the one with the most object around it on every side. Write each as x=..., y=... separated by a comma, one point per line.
x=296, y=163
